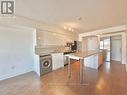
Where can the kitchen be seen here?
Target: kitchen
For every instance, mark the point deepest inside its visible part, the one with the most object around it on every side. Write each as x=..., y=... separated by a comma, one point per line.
x=58, y=52
x=61, y=49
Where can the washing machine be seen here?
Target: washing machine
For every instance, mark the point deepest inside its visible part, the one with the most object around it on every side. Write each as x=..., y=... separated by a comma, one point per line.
x=45, y=64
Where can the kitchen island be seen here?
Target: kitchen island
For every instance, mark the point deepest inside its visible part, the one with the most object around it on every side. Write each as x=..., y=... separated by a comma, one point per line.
x=84, y=58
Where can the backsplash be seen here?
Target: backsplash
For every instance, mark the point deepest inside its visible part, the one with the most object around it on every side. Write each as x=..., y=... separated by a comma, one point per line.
x=50, y=49
x=46, y=38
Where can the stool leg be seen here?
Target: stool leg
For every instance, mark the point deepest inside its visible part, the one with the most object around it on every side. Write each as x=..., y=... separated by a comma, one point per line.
x=81, y=70
x=69, y=68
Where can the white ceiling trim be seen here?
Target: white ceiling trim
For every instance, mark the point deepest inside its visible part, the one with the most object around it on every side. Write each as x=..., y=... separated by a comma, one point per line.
x=102, y=31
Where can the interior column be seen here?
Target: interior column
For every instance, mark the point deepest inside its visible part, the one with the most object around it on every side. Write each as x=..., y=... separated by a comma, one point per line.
x=126, y=47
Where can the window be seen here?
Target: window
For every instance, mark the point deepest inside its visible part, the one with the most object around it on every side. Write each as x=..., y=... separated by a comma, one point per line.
x=105, y=44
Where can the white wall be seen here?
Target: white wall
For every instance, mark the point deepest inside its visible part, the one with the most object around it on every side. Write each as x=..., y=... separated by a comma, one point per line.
x=90, y=43
x=46, y=33
x=55, y=37
x=16, y=52
x=93, y=43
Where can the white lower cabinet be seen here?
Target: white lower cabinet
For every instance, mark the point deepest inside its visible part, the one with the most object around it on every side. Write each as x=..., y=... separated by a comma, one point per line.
x=57, y=61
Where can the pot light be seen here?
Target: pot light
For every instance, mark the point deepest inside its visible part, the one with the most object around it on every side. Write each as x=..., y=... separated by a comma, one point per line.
x=69, y=29
x=65, y=27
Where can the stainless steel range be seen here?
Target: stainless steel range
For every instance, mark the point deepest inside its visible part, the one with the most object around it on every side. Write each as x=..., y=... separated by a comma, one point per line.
x=45, y=64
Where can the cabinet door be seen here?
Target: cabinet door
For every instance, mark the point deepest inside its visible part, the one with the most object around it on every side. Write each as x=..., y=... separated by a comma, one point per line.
x=57, y=60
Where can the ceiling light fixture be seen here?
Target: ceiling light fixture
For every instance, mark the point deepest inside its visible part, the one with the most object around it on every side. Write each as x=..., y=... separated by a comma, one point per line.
x=68, y=28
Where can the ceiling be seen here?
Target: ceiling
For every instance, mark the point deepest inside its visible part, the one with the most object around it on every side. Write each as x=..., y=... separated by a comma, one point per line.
x=82, y=15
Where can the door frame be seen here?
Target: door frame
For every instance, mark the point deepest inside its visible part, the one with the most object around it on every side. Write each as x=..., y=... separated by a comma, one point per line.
x=111, y=48
x=124, y=43
x=103, y=38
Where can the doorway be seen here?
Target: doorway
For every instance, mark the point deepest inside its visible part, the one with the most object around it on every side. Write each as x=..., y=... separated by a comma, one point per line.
x=116, y=48
x=105, y=47
x=112, y=48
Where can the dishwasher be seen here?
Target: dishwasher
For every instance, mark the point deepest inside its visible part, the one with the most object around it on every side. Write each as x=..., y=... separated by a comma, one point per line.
x=65, y=58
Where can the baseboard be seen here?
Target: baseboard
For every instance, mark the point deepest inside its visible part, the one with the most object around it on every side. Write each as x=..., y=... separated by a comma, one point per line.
x=11, y=76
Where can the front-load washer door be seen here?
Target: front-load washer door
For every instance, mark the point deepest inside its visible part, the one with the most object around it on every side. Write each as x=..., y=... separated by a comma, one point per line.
x=46, y=63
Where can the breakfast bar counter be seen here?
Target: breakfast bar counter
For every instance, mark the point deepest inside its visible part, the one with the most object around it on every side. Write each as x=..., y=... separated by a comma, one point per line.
x=82, y=57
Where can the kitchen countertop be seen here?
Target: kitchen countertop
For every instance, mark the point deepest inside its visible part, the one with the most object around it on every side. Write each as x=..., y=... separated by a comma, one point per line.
x=47, y=50
x=81, y=55
x=48, y=53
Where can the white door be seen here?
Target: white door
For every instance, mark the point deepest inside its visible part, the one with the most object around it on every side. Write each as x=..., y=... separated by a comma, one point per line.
x=116, y=46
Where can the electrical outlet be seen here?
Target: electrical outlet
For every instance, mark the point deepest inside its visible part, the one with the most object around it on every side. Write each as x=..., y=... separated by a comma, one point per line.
x=13, y=67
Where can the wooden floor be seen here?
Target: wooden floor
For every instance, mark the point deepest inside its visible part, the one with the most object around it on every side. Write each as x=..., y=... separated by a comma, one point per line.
x=110, y=79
